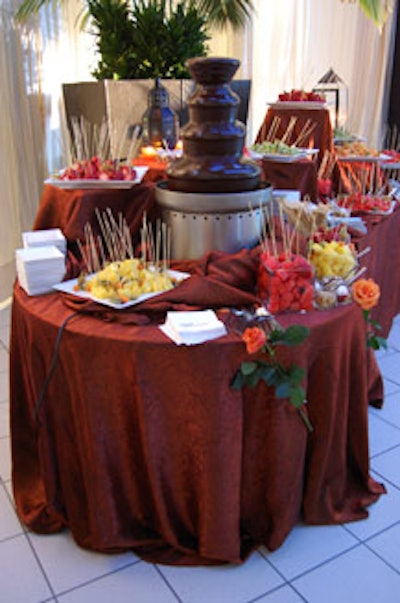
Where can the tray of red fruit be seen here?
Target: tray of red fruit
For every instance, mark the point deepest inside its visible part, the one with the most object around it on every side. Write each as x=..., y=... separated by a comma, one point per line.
x=95, y=173
x=299, y=99
x=391, y=160
x=358, y=203
x=285, y=283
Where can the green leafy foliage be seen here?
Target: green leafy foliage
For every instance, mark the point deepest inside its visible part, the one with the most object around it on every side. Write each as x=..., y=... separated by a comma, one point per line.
x=220, y=12
x=146, y=39
x=377, y=10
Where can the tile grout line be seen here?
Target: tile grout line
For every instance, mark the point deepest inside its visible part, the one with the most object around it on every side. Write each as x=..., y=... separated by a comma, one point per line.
x=37, y=559
x=325, y=562
x=384, y=420
x=386, y=479
x=378, y=454
x=95, y=579
x=165, y=580
x=286, y=582
x=276, y=590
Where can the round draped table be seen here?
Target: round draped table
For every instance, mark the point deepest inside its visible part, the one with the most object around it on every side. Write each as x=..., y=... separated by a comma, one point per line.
x=141, y=444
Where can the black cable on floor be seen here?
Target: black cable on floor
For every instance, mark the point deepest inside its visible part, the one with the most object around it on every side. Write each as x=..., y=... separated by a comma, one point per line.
x=50, y=372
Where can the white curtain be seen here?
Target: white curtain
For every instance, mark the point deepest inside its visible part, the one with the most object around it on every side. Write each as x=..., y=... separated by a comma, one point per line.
x=34, y=60
x=22, y=164
x=296, y=41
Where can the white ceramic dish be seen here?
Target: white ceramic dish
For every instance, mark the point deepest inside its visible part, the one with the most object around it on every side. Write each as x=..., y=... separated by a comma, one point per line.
x=68, y=287
x=97, y=183
x=363, y=158
x=297, y=105
x=284, y=157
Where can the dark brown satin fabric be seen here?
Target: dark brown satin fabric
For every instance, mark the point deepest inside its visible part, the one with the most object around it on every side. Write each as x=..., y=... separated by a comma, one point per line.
x=321, y=136
x=70, y=210
x=383, y=264
x=144, y=445
x=298, y=175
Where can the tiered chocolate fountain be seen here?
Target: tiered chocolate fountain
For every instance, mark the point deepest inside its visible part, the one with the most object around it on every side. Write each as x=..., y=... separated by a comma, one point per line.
x=213, y=198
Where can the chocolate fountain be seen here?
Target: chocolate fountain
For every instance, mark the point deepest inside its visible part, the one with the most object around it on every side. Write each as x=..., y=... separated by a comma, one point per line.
x=213, y=198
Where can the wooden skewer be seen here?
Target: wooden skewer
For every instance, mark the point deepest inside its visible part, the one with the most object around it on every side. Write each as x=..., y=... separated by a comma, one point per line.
x=273, y=128
x=305, y=133
x=355, y=276
x=292, y=123
x=324, y=162
x=84, y=256
x=363, y=252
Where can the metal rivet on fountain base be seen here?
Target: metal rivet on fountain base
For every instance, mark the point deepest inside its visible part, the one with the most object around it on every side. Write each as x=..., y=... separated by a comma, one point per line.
x=203, y=222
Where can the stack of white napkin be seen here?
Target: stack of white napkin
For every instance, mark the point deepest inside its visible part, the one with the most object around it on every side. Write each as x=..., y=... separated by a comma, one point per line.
x=44, y=238
x=39, y=268
x=190, y=328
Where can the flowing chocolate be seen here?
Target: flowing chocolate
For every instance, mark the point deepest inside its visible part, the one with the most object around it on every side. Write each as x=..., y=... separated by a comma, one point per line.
x=213, y=140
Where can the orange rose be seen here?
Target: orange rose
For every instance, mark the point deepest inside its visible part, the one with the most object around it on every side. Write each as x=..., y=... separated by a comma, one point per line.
x=366, y=293
x=254, y=339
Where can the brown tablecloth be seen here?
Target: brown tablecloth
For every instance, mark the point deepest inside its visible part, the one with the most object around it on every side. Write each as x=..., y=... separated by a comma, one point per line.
x=70, y=210
x=297, y=175
x=320, y=138
x=143, y=445
x=383, y=264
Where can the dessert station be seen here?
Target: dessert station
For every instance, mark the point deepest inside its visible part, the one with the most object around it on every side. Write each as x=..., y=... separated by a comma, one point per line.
x=197, y=381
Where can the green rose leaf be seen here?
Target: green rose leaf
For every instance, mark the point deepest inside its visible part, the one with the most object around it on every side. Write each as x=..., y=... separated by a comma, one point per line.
x=248, y=368
x=297, y=396
x=296, y=374
x=283, y=390
x=293, y=335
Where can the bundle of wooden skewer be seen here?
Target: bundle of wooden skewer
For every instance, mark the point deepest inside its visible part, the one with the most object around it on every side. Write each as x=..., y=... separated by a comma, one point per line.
x=276, y=234
x=88, y=139
x=391, y=138
x=114, y=244
x=288, y=136
x=361, y=178
x=327, y=166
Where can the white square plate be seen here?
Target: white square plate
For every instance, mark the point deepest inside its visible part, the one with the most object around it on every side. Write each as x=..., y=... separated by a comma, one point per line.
x=69, y=287
x=99, y=184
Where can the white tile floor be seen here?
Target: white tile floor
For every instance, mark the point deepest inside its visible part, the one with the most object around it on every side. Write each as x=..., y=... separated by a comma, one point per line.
x=352, y=563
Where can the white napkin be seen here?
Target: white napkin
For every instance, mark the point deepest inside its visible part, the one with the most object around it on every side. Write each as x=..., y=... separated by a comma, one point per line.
x=43, y=238
x=39, y=268
x=190, y=328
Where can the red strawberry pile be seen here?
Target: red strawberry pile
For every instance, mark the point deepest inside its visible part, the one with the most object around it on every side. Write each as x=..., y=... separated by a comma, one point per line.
x=392, y=156
x=301, y=96
x=98, y=169
x=285, y=283
x=336, y=233
x=359, y=203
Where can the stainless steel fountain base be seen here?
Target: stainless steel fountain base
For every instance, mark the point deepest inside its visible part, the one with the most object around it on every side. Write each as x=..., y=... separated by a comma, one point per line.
x=203, y=222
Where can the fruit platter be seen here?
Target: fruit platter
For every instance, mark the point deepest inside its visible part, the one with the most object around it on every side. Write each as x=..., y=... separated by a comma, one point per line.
x=392, y=159
x=357, y=151
x=280, y=151
x=342, y=136
x=300, y=99
x=98, y=173
x=359, y=203
x=122, y=284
